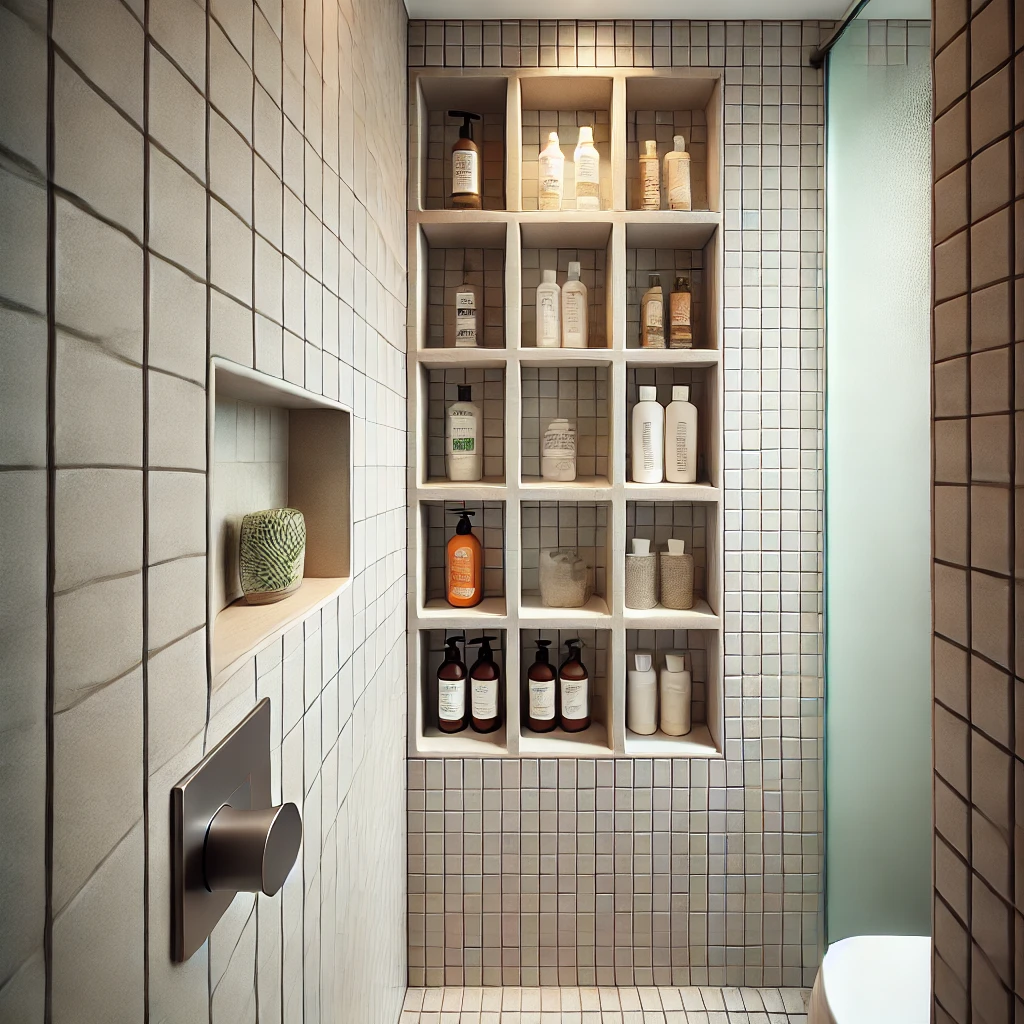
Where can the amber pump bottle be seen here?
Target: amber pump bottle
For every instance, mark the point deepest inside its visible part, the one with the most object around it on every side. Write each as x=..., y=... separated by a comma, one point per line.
x=464, y=564
x=465, y=164
x=542, y=692
x=451, y=688
x=485, y=687
x=574, y=690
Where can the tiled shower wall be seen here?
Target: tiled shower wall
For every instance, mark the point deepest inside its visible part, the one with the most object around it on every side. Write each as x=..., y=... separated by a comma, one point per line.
x=179, y=181
x=979, y=513
x=688, y=871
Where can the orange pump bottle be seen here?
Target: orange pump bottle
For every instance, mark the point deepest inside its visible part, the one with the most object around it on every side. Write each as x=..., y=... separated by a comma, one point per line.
x=464, y=564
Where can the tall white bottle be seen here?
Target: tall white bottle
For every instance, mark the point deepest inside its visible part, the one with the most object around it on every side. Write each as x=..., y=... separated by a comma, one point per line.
x=642, y=696
x=676, y=692
x=574, y=310
x=588, y=171
x=551, y=170
x=548, y=311
x=648, y=450
x=464, y=457
x=677, y=175
x=681, y=437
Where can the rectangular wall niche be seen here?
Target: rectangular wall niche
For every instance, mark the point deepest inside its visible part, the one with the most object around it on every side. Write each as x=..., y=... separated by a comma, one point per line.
x=273, y=445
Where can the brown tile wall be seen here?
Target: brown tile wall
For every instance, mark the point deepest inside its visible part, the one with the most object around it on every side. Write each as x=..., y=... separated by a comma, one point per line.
x=182, y=179
x=978, y=511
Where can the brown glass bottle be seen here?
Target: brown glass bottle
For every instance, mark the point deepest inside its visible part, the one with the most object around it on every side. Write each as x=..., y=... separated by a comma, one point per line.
x=465, y=164
x=541, y=692
x=484, y=688
x=451, y=688
x=573, y=690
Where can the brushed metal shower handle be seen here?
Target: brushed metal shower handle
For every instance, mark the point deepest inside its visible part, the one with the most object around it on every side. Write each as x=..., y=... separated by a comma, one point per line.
x=251, y=851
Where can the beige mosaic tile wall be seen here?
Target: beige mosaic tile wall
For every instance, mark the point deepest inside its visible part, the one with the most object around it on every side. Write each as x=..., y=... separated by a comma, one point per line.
x=979, y=515
x=180, y=180
x=685, y=872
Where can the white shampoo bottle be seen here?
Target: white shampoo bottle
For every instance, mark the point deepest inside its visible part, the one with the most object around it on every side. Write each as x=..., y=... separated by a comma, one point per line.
x=548, y=311
x=648, y=447
x=574, y=310
x=642, y=696
x=681, y=437
x=551, y=169
x=588, y=171
x=464, y=457
x=676, y=692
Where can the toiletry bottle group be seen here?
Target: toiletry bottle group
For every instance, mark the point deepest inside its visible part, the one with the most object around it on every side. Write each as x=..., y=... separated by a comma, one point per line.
x=561, y=699
x=664, y=441
x=643, y=696
x=470, y=697
x=562, y=312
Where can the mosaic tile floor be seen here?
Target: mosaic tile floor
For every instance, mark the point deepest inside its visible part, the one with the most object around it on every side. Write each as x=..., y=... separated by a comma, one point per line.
x=605, y=1006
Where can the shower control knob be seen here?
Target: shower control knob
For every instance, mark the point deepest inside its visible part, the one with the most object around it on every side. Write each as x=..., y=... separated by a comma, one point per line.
x=251, y=851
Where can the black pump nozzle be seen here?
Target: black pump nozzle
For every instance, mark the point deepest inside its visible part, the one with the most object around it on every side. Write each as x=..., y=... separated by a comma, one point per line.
x=575, y=642
x=542, y=650
x=485, y=646
x=464, y=525
x=466, y=131
x=453, y=641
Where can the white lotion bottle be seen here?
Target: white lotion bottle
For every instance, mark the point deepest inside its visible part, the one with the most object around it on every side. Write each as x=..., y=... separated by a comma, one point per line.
x=463, y=437
x=650, y=177
x=648, y=448
x=551, y=171
x=642, y=696
x=677, y=175
x=676, y=692
x=574, y=310
x=681, y=437
x=548, y=311
x=588, y=171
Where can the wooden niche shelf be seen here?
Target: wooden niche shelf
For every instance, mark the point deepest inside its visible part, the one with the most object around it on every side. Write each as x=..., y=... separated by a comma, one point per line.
x=273, y=444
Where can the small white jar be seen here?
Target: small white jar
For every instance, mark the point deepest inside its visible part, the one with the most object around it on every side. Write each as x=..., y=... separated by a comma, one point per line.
x=558, y=451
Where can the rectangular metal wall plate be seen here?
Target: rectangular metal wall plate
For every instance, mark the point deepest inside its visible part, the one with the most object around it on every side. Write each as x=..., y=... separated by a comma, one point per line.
x=240, y=762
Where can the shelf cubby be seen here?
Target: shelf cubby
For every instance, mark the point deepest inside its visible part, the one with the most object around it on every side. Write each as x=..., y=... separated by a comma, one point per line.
x=525, y=387
x=579, y=394
x=564, y=104
x=585, y=526
x=660, y=108
x=431, y=153
x=442, y=391
x=595, y=741
x=436, y=526
x=703, y=384
x=701, y=648
x=468, y=742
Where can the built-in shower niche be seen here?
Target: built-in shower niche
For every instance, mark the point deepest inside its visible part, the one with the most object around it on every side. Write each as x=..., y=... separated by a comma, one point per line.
x=273, y=445
x=701, y=649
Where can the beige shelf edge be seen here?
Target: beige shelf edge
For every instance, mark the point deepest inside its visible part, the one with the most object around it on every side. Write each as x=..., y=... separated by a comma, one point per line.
x=696, y=743
x=241, y=629
x=592, y=742
x=700, y=616
x=462, y=744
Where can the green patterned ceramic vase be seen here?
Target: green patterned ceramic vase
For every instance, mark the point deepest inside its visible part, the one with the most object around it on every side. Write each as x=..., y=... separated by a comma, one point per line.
x=272, y=549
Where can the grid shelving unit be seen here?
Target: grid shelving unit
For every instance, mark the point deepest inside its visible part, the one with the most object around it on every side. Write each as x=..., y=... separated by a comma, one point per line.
x=509, y=242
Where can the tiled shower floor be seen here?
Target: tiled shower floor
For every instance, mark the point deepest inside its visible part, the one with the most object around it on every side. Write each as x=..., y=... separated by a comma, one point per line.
x=605, y=1006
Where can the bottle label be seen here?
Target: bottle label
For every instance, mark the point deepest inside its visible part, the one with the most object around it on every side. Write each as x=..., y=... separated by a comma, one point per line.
x=574, y=698
x=461, y=432
x=451, y=699
x=650, y=463
x=465, y=172
x=574, y=312
x=548, y=308
x=460, y=574
x=681, y=329
x=679, y=184
x=682, y=450
x=542, y=699
x=465, y=320
x=651, y=185
x=550, y=183
x=654, y=323
x=485, y=698
x=559, y=443
x=588, y=181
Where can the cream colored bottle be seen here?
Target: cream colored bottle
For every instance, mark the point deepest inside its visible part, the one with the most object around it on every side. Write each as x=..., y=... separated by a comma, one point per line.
x=548, y=311
x=467, y=316
x=676, y=693
x=677, y=175
x=650, y=177
x=652, y=315
x=681, y=437
x=574, y=310
x=680, y=318
x=551, y=171
x=587, y=163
